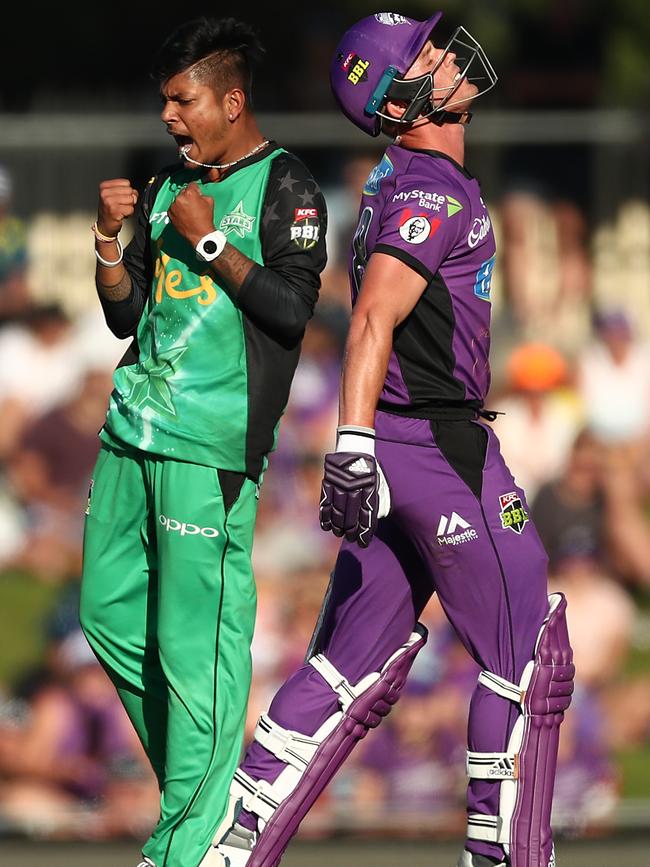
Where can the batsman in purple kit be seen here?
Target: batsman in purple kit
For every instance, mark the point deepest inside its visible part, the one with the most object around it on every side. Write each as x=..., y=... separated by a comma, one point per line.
x=417, y=486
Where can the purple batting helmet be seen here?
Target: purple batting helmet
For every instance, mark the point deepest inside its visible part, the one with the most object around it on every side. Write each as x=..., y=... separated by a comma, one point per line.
x=375, y=54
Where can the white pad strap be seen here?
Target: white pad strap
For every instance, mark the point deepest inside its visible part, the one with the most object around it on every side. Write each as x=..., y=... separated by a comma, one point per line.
x=331, y=675
x=492, y=766
x=491, y=829
x=502, y=687
x=289, y=746
x=257, y=796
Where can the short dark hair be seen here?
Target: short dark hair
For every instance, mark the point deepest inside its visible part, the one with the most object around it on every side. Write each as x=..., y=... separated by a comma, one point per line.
x=229, y=49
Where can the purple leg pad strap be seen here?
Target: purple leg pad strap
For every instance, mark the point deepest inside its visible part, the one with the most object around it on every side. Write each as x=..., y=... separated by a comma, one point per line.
x=527, y=770
x=364, y=713
x=547, y=697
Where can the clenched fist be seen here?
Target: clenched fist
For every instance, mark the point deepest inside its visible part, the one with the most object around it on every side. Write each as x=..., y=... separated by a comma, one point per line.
x=192, y=214
x=117, y=201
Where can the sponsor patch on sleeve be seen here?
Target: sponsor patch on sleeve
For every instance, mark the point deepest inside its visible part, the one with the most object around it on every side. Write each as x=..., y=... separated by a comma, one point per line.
x=305, y=229
x=416, y=228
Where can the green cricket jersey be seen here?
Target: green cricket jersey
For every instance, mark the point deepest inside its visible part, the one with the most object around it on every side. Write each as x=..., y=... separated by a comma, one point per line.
x=208, y=374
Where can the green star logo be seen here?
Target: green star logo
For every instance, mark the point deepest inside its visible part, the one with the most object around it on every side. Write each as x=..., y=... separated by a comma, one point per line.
x=453, y=206
x=149, y=386
x=237, y=221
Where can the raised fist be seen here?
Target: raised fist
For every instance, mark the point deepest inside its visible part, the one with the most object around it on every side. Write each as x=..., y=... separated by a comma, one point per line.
x=117, y=201
x=192, y=214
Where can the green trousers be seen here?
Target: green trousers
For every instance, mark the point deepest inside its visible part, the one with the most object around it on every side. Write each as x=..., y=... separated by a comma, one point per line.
x=168, y=605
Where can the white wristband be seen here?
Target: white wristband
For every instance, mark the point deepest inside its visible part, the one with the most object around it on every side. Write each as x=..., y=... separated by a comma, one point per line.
x=352, y=438
x=107, y=263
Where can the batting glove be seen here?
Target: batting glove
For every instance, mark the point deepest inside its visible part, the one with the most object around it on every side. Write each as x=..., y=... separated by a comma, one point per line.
x=355, y=494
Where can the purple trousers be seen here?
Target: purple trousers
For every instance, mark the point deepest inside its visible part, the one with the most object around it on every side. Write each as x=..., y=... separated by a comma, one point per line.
x=458, y=527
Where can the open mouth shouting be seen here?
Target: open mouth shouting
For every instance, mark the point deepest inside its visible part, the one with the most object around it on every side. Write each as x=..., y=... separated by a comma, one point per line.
x=183, y=142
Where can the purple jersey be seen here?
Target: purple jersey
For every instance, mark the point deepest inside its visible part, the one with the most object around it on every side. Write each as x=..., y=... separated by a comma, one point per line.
x=426, y=210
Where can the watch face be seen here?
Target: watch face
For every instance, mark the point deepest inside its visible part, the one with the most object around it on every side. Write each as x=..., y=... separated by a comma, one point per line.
x=210, y=247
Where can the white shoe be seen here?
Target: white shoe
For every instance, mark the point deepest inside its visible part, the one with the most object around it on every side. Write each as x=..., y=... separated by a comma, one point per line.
x=146, y=863
x=236, y=846
x=470, y=859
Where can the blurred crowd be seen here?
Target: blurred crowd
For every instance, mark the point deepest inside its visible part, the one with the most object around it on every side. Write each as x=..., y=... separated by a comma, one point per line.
x=571, y=381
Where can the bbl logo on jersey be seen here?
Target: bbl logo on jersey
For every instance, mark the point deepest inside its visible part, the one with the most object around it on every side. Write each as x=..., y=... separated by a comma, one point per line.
x=305, y=229
x=513, y=515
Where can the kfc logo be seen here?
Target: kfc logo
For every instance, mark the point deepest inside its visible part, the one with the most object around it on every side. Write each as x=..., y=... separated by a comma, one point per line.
x=416, y=229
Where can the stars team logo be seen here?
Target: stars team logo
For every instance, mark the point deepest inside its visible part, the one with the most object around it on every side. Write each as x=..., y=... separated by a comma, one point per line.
x=237, y=221
x=148, y=381
x=513, y=514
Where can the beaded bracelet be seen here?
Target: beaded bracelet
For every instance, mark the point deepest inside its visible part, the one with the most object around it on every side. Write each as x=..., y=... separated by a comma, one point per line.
x=106, y=239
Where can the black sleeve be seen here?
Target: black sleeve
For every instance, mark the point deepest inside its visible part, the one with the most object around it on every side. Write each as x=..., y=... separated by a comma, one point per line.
x=280, y=295
x=122, y=317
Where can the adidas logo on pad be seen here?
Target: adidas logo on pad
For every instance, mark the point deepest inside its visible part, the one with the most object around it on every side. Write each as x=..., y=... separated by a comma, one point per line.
x=359, y=467
x=448, y=530
x=501, y=768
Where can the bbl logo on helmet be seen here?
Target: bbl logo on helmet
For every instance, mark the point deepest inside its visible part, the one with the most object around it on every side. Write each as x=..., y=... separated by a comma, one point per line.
x=356, y=68
x=513, y=515
x=305, y=229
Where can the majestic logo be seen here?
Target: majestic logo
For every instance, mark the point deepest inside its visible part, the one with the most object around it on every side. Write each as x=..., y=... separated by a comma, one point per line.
x=305, y=229
x=480, y=227
x=391, y=19
x=415, y=230
x=359, y=467
x=513, y=514
x=356, y=68
x=171, y=525
x=377, y=175
x=448, y=530
x=483, y=282
x=237, y=221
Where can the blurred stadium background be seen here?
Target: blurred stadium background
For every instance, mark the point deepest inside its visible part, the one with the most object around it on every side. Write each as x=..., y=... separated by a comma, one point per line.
x=561, y=149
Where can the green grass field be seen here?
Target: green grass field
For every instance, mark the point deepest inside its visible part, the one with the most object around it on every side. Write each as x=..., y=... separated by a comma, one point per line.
x=632, y=851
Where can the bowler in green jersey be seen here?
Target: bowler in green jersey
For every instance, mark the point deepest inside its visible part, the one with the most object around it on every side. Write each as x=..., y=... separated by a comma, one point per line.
x=214, y=292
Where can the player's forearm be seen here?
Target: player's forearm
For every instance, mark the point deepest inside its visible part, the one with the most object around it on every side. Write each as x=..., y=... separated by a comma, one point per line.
x=113, y=285
x=122, y=306
x=232, y=268
x=365, y=364
x=113, y=282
